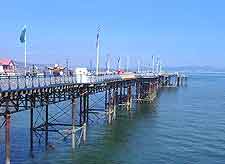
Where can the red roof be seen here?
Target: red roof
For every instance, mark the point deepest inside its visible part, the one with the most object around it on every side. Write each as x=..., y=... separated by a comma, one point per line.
x=5, y=61
x=120, y=71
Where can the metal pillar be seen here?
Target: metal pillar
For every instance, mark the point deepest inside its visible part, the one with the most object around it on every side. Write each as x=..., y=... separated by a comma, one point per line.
x=81, y=110
x=114, y=102
x=150, y=94
x=31, y=129
x=46, y=125
x=166, y=81
x=7, y=137
x=106, y=99
x=169, y=80
x=87, y=106
x=121, y=92
x=85, y=132
x=116, y=95
x=110, y=106
x=129, y=97
x=124, y=91
x=138, y=91
x=84, y=108
x=73, y=122
x=178, y=81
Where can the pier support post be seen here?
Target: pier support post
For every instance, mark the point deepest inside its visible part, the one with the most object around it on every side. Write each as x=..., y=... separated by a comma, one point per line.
x=31, y=129
x=7, y=137
x=80, y=114
x=138, y=91
x=121, y=92
x=169, y=80
x=181, y=80
x=178, y=80
x=87, y=106
x=85, y=132
x=73, y=122
x=46, y=125
x=166, y=81
x=106, y=100
x=32, y=105
x=117, y=95
x=124, y=91
x=84, y=108
x=129, y=97
x=114, y=102
x=150, y=93
x=110, y=106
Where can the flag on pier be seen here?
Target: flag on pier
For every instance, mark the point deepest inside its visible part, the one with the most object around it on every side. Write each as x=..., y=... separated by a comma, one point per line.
x=97, y=41
x=97, y=51
x=118, y=60
x=23, y=40
x=23, y=35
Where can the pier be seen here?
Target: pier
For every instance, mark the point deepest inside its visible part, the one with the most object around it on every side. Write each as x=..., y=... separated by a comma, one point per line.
x=36, y=94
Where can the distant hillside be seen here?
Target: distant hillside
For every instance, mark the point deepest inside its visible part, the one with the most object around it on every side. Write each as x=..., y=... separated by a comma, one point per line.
x=20, y=66
x=190, y=69
x=195, y=69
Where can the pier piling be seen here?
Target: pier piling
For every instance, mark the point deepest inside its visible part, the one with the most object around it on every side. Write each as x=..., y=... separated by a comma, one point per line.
x=73, y=122
x=7, y=137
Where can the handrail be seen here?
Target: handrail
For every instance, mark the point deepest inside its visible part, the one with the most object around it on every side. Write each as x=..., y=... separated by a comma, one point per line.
x=25, y=82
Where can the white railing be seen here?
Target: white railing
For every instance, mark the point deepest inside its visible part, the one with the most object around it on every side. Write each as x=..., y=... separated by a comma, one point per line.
x=21, y=82
x=24, y=82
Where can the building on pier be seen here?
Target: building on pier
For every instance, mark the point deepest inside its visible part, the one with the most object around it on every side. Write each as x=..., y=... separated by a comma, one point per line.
x=56, y=70
x=7, y=67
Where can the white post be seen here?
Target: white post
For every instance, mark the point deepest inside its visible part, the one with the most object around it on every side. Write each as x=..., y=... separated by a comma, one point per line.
x=158, y=69
x=108, y=63
x=97, y=52
x=160, y=66
x=84, y=132
x=108, y=69
x=73, y=122
x=153, y=64
x=127, y=63
x=138, y=66
x=157, y=65
x=25, y=52
x=97, y=60
x=118, y=63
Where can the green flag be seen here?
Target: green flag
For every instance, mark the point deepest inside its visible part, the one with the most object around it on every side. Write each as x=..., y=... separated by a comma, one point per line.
x=23, y=35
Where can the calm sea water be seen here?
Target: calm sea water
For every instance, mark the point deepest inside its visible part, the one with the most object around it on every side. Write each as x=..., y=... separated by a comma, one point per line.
x=183, y=125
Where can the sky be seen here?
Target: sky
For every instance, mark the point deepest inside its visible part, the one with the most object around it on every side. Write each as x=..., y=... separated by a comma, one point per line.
x=181, y=33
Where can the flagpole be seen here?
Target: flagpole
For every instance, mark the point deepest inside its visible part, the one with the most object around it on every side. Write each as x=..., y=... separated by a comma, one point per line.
x=108, y=63
x=138, y=65
x=127, y=65
x=159, y=66
x=153, y=64
x=118, y=63
x=97, y=52
x=97, y=59
x=25, y=53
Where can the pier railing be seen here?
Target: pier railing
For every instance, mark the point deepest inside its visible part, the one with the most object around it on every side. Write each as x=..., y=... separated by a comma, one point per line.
x=24, y=82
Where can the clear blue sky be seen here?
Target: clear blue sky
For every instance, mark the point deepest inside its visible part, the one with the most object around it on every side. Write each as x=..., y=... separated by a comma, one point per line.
x=190, y=32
